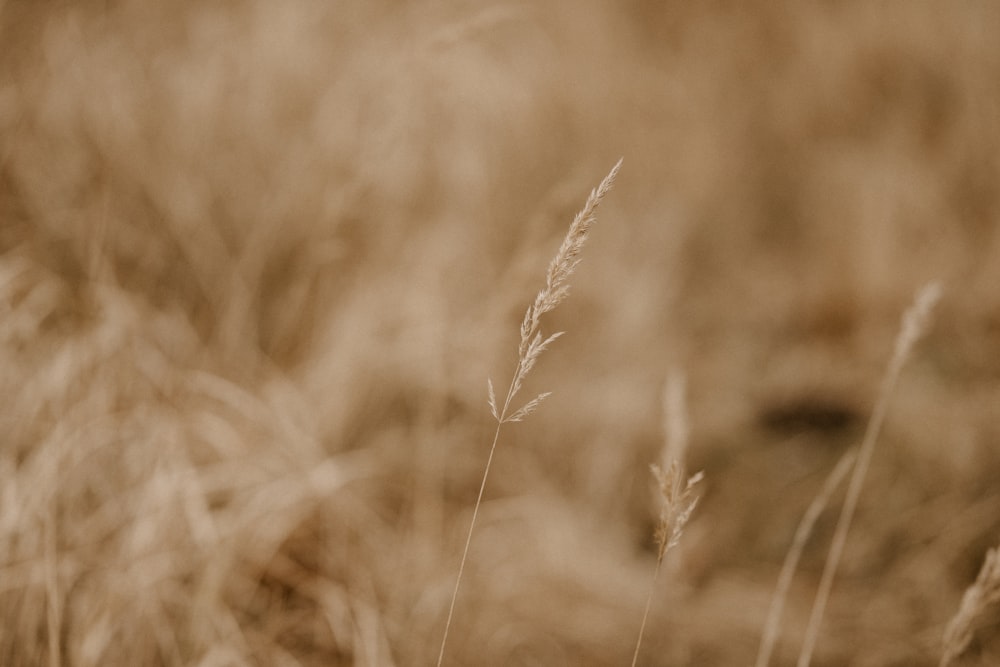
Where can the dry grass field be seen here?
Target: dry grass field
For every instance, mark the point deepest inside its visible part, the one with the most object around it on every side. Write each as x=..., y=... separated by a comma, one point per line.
x=259, y=259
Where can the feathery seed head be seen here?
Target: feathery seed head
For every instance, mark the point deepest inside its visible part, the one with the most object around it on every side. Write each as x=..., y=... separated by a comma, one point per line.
x=678, y=500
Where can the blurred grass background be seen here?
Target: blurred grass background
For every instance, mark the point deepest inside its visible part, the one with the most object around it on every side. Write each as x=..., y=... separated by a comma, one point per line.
x=257, y=261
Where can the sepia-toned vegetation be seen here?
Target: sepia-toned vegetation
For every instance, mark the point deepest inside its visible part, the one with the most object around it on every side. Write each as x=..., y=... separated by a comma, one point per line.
x=259, y=259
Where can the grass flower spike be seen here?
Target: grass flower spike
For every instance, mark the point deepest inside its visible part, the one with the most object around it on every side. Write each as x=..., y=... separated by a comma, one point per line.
x=677, y=496
x=530, y=348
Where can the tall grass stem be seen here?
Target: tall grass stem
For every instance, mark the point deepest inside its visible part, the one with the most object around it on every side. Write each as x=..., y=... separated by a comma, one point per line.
x=532, y=344
x=914, y=323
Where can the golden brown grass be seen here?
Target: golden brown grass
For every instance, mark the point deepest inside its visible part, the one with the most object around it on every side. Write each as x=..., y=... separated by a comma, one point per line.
x=914, y=323
x=772, y=625
x=257, y=258
x=978, y=598
x=532, y=344
x=677, y=496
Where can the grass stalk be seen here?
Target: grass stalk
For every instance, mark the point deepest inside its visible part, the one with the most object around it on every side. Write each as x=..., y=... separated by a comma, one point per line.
x=645, y=613
x=677, y=497
x=802, y=533
x=530, y=348
x=914, y=322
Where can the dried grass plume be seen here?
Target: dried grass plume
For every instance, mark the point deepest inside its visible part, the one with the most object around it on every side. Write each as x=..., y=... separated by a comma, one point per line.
x=532, y=344
x=982, y=594
x=677, y=496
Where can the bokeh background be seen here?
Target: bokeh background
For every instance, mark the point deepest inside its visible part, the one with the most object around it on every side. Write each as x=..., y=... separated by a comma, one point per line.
x=258, y=259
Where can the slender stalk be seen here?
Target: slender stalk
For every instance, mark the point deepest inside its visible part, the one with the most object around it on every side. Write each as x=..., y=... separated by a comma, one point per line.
x=501, y=417
x=531, y=346
x=802, y=533
x=468, y=541
x=914, y=322
x=645, y=614
x=677, y=496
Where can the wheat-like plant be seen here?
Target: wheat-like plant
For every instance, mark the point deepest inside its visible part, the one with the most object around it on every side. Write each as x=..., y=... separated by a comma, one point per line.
x=677, y=496
x=915, y=320
x=532, y=344
x=985, y=591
